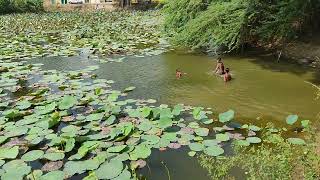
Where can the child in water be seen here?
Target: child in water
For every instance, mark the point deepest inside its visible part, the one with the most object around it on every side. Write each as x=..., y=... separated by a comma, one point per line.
x=227, y=76
x=179, y=74
x=220, y=67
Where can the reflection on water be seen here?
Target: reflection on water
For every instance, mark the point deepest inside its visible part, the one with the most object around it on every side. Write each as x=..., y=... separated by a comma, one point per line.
x=261, y=89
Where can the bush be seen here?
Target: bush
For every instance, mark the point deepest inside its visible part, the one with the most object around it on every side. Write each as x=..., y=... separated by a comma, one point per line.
x=234, y=23
x=19, y=6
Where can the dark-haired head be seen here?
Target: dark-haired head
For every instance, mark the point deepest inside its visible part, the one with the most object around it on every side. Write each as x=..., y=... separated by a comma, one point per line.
x=227, y=70
x=219, y=59
x=177, y=70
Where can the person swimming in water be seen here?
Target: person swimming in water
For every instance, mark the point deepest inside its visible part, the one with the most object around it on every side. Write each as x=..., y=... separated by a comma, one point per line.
x=179, y=74
x=227, y=76
x=220, y=67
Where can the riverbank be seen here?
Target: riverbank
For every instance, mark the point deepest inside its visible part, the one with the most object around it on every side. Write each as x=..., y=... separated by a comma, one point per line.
x=304, y=51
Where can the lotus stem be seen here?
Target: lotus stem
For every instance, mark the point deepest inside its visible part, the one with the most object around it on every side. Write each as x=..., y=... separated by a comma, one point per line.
x=168, y=172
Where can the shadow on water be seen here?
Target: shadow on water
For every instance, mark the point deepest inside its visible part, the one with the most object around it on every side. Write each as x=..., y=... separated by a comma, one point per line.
x=173, y=163
x=270, y=63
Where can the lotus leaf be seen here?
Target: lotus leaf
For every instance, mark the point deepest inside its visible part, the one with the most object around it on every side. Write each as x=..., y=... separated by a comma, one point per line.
x=54, y=156
x=140, y=152
x=207, y=121
x=23, y=105
x=211, y=142
x=213, y=151
x=109, y=170
x=95, y=117
x=110, y=120
x=198, y=114
x=150, y=139
x=253, y=140
x=196, y=146
x=177, y=110
x=53, y=175
x=202, y=131
x=291, y=119
x=32, y=155
x=116, y=149
x=165, y=113
x=192, y=153
x=222, y=137
x=145, y=125
x=128, y=89
x=165, y=123
x=70, y=143
x=226, y=116
x=170, y=136
x=9, y=153
x=15, y=169
x=242, y=143
x=254, y=128
x=296, y=141
x=305, y=123
x=67, y=102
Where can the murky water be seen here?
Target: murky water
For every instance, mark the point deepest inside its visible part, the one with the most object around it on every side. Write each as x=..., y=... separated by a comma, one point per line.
x=260, y=88
x=261, y=91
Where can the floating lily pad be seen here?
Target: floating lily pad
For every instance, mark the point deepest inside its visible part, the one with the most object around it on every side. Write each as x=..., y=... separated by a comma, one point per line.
x=109, y=170
x=202, y=131
x=140, y=152
x=211, y=142
x=150, y=139
x=213, y=151
x=165, y=122
x=15, y=169
x=253, y=140
x=32, y=155
x=67, y=102
x=242, y=143
x=128, y=89
x=226, y=116
x=116, y=149
x=296, y=141
x=9, y=153
x=53, y=175
x=196, y=146
x=54, y=156
x=192, y=153
x=222, y=137
x=305, y=123
x=291, y=119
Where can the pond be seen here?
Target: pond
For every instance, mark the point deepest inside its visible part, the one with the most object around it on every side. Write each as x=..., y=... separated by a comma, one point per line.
x=261, y=91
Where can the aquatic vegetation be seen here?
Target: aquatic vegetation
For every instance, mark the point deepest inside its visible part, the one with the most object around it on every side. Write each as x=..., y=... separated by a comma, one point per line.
x=73, y=124
x=275, y=158
x=24, y=36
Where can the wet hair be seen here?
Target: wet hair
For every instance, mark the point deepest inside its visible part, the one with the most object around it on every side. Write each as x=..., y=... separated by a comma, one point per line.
x=227, y=70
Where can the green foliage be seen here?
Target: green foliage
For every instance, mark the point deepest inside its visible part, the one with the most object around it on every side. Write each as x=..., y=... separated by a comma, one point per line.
x=18, y=6
x=272, y=160
x=231, y=24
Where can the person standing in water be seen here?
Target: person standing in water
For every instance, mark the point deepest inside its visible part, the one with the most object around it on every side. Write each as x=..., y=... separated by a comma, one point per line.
x=220, y=67
x=227, y=76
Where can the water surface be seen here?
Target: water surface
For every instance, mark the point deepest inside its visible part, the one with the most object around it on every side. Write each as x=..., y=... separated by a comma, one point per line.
x=261, y=91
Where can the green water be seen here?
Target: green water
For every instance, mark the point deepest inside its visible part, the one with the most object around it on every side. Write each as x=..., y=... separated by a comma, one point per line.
x=261, y=91
x=261, y=88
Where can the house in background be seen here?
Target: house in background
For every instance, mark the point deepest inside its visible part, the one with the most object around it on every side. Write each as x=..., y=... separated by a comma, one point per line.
x=67, y=5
